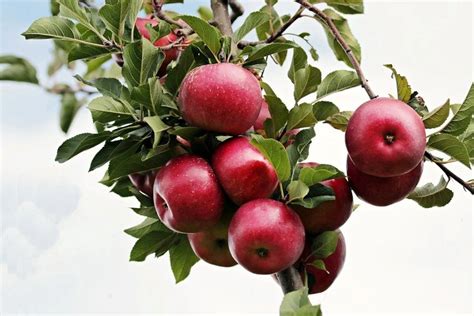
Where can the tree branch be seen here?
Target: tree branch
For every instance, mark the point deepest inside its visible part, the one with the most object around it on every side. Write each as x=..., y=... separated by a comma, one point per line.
x=221, y=16
x=330, y=24
x=237, y=10
x=289, y=279
x=276, y=34
x=184, y=29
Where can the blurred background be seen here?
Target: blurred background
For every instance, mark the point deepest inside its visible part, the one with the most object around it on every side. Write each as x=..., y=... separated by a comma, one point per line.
x=63, y=249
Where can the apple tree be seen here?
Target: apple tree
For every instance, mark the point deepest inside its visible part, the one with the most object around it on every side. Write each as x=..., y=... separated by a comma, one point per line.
x=216, y=160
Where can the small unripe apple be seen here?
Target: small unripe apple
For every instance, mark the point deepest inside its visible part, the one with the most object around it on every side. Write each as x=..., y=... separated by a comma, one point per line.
x=385, y=138
x=328, y=215
x=187, y=196
x=382, y=191
x=266, y=236
x=144, y=182
x=243, y=172
x=212, y=244
x=223, y=98
x=320, y=280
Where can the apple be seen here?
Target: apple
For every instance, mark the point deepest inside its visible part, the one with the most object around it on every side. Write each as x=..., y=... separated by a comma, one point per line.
x=328, y=215
x=385, y=138
x=212, y=244
x=144, y=182
x=170, y=54
x=320, y=280
x=266, y=236
x=243, y=172
x=262, y=117
x=382, y=191
x=187, y=196
x=223, y=98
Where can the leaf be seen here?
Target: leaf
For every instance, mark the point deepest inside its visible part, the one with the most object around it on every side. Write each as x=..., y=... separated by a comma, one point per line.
x=264, y=50
x=205, y=13
x=176, y=75
x=278, y=112
x=297, y=303
x=208, y=33
x=155, y=241
x=437, y=117
x=148, y=225
x=115, y=15
x=275, y=152
x=182, y=259
x=337, y=81
x=141, y=62
x=148, y=211
x=69, y=107
x=301, y=116
x=343, y=27
x=17, y=69
x=254, y=20
x=110, y=87
x=307, y=81
x=53, y=27
x=324, y=244
x=113, y=150
x=78, y=144
x=313, y=175
x=450, y=145
x=318, y=194
x=322, y=110
x=106, y=109
x=297, y=190
x=430, y=195
x=72, y=9
x=460, y=121
x=149, y=95
x=347, y=6
x=157, y=126
x=299, y=61
x=299, y=150
x=87, y=52
x=319, y=264
x=403, y=88
x=339, y=120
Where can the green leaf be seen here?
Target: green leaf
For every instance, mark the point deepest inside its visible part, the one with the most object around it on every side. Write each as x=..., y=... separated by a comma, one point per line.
x=307, y=81
x=148, y=211
x=403, y=88
x=297, y=190
x=115, y=15
x=299, y=150
x=337, y=81
x=264, y=50
x=254, y=20
x=53, y=27
x=460, y=122
x=155, y=241
x=318, y=194
x=324, y=244
x=347, y=6
x=150, y=95
x=107, y=109
x=322, y=110
x=339, y=120
x=78, y=144
x=87, y=52
x=437, y=117
x=141, y=62
x=297, y=303
x=343, y=27
x=148, y=225
x=430, y=195
x=157, y=126
x=205, y=13
x=208, y=33
x=110, y=87
x=69, y=107
x=72, y=9
x=299, y=61
x=176, y=75
x=278, y=112
x=275, y=152
x=17, y=69
x=182, y=259
x=312, y=175
x=301, y=116
x=450, y=145
x=319, y=264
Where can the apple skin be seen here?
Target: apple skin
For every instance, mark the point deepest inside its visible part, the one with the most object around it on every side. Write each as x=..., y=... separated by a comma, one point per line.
x=320, y=280
x=144, y=182
x=170, y=54
x=266, y=236
x=382, y=191
x=262, y=117
x=385, y=138
x=212, y=245
x=329, y=215
x=223, y=98
x=243, y=172
x=187, y=196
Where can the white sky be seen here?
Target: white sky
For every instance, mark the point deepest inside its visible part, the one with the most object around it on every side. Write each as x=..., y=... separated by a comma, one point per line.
x=63, y=246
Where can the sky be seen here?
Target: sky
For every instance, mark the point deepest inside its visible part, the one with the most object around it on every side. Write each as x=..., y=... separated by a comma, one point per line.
x=63, y=249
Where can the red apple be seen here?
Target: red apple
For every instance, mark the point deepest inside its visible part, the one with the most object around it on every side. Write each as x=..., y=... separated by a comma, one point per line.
x=385, y=138
x=223, y=98
x=212, y=245
x=187, y=196
x=244, y=173
x=170, y=54
x=320, y=280
x=144, y=182
x=266, y=236
x=262, y=117
x=328, y=215
x=382, y=191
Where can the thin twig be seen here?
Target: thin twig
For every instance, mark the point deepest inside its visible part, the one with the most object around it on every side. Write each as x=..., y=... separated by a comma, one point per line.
x=183, y=28
x=276, y=34
x=221, y=16
x=237, y=10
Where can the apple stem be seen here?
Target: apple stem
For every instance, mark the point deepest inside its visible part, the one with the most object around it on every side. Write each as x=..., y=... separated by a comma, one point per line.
x=290, y=280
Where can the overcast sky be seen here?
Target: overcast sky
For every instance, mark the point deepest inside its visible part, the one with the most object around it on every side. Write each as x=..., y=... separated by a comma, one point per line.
x=63, y=246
